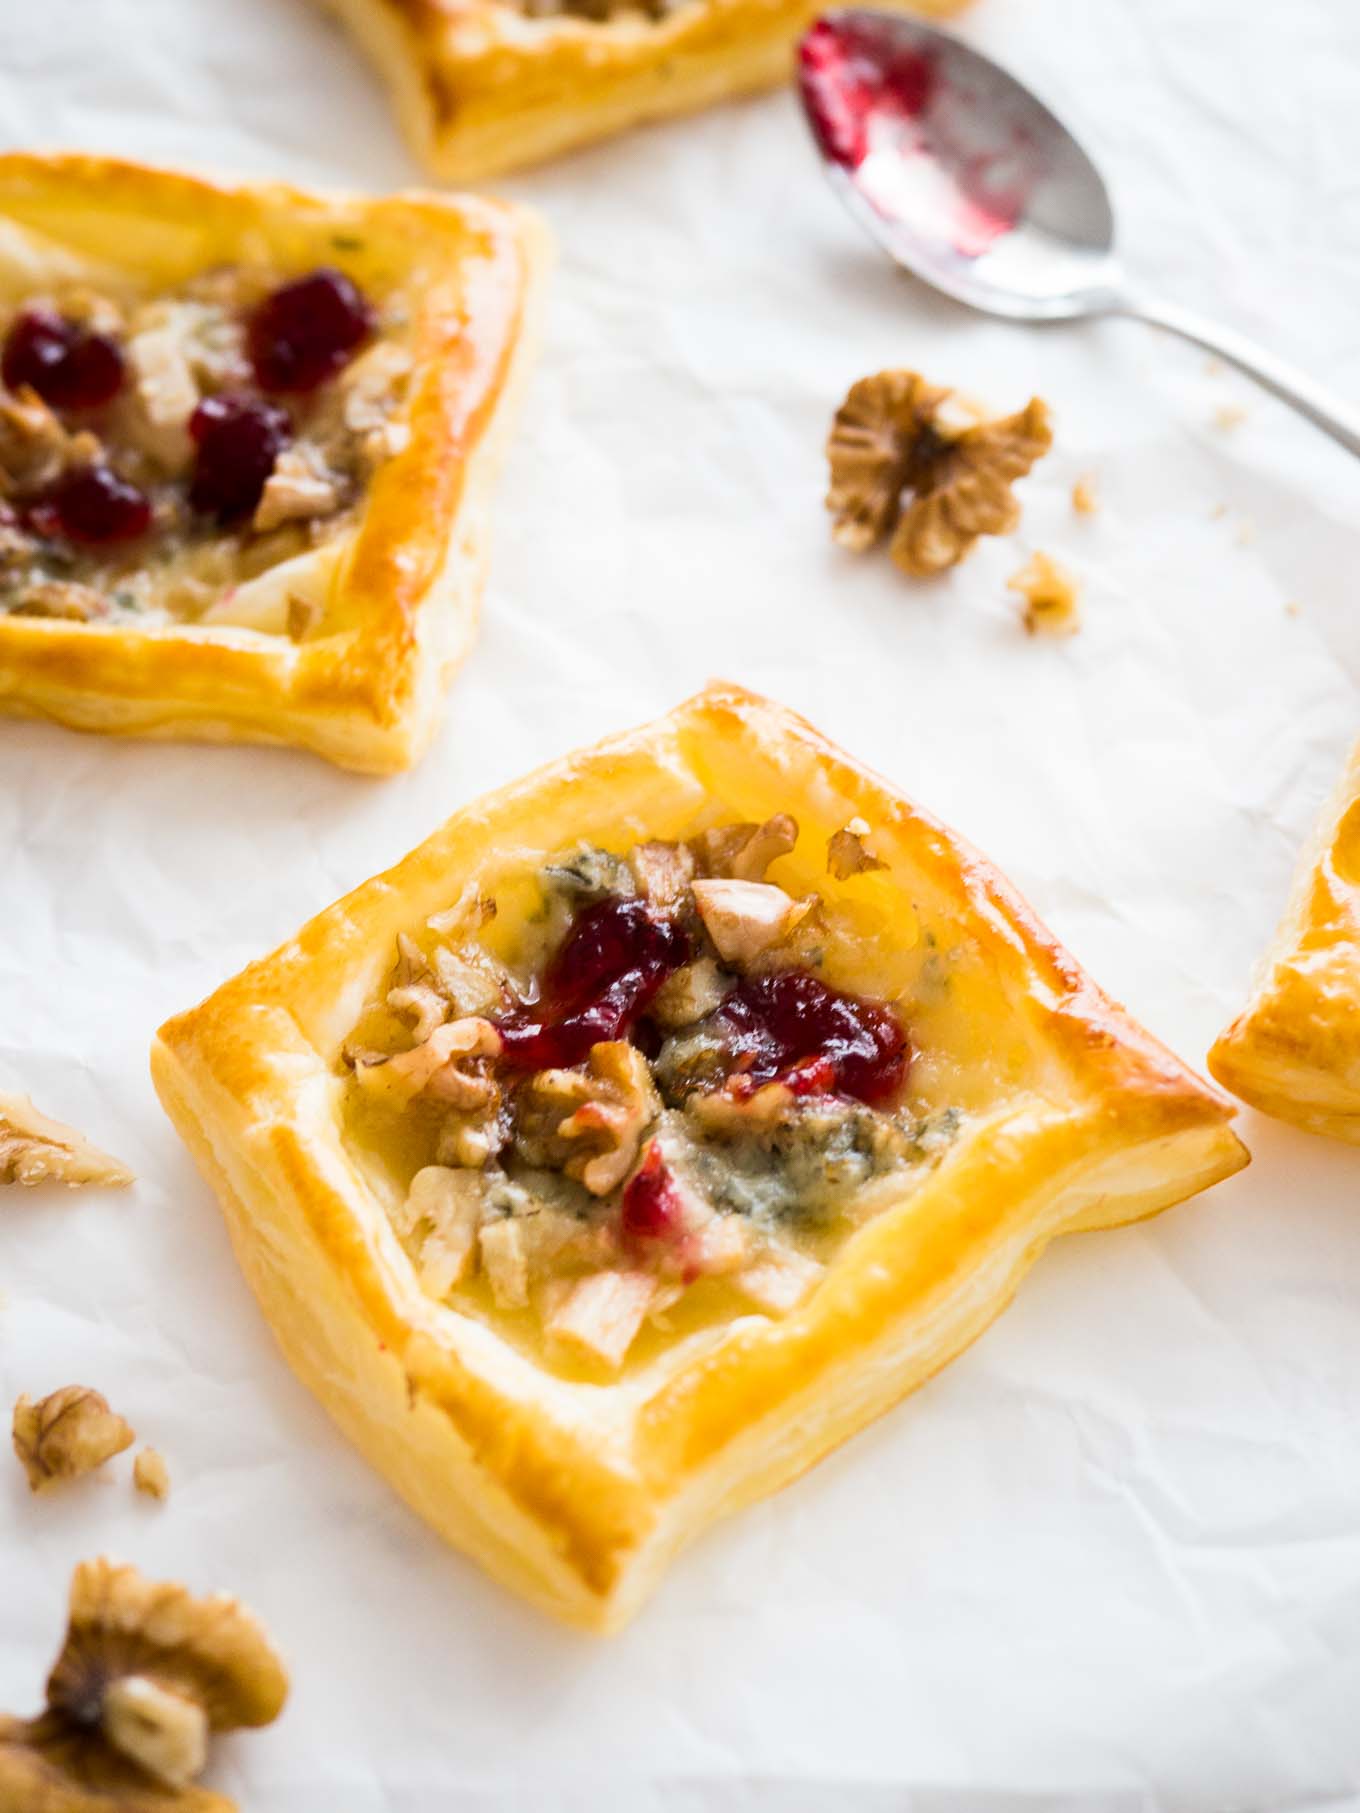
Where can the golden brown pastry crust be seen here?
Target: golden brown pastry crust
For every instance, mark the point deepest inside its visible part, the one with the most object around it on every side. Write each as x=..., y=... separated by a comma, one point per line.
x=480, y=88
x=1294, y=1050
x=579, y=1493
x=402, y=585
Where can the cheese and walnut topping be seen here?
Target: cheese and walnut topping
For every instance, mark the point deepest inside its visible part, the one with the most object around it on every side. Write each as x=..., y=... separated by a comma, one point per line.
x=156, y=452
x=657, y=1096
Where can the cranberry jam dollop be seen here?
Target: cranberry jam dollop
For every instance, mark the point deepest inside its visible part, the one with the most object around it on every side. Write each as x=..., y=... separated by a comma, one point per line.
x=791, y=1028
x=236, y=439
x=68, y=365
x=307, y=331
x=92, y=507
x=605, y=974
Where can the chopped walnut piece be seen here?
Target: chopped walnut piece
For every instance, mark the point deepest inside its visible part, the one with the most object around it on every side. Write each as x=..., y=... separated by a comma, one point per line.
x=1052, y=600
x=501, y=1245
x=1085, y=498
x=150, y=1474
x=779, y=1279
x=147, y=1672
x=297, y=490
x=415, y=993
x=448, y=1066
x=744, y=852
x=67, y=1434
x=370, y=392
x=688, y=994
x=600, y=1315
x=35, y=446
x=598, y=1114
x=63, y=600
x=747, y=919
x=760, y=1112
x=897, y=466
x=662, y=872
x=303, y=616
x=34, y=1149
x=846, y=854
x=440, y=1216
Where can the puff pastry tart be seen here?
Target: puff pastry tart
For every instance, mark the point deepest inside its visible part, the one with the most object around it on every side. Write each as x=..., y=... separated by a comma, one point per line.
x=246, y=442
x=1294, y=1050
x=482, y=86
x=661, y=1120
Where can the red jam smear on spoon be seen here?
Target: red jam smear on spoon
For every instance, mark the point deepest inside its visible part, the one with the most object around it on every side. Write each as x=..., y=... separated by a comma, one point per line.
x=852, y=75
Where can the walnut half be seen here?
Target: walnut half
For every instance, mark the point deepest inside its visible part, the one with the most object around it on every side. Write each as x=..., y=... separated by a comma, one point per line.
x=146, y=1674
x=898, y=467
x=67, y=1434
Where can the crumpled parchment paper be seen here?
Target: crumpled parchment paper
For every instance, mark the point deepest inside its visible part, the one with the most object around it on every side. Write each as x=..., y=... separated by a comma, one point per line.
x=1111, y=1559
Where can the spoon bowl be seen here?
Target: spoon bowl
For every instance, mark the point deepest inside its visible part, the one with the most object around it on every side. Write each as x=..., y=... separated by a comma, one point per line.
x=969, y=181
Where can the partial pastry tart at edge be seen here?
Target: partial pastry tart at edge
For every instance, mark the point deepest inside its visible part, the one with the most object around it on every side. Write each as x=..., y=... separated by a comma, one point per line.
x=482, y=86
x=1294, y=1050
x=662, y=1119
x=247, y=441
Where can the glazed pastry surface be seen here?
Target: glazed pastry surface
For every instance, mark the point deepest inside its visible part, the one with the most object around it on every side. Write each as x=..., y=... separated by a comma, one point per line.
x=482, y=86
x=575, y=1483
x=1294, y=1050
x=335, y=631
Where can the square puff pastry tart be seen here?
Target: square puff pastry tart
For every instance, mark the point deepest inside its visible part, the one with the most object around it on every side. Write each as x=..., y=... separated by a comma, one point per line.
x=1294, y=1050
x=388, y=593
x=575, y=1483
x=483, y=86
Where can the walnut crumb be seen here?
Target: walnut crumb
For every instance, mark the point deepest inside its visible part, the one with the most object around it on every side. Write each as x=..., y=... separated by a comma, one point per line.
x=899, y=467
x=846, y=854
x=1051, y=595
x=1229, y=416
x=146, y=1674
x=34, y=1149
x=1085, y=498
x=67, y=1434
x=150, y=1474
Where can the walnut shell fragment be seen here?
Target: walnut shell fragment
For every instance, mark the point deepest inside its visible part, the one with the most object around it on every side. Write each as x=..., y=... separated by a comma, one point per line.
x=34, y=1149
x=899, y=467
x=67, y=1434
x=146, y=1674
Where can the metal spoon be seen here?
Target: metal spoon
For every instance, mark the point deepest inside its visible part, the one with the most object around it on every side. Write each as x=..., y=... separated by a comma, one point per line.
x=970, y=182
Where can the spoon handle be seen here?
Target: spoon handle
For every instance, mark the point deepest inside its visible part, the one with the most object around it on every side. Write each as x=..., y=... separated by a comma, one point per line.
x=1277, y=375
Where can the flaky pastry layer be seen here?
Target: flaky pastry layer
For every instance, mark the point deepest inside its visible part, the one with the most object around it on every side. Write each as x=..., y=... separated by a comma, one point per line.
x=398, y=592
x=480, y=88
x=576, y=1492
x=1294, y=1050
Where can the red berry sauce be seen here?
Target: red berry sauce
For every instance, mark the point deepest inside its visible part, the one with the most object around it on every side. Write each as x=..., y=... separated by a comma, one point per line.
x=307, y=331
x=609, y=967
x=69, y=366
x=851, y=75
x=795, y=1029
x=237, y=438
x=91, y=505
x=652, y=1207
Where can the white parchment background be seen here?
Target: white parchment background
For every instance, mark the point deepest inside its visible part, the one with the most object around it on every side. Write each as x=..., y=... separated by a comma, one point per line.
x=1111, y=1560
